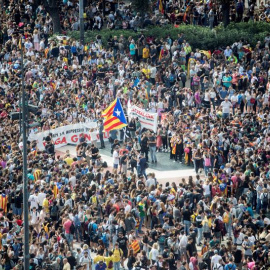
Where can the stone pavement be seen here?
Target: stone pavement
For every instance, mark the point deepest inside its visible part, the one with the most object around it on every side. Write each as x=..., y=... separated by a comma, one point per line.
x=165, y=169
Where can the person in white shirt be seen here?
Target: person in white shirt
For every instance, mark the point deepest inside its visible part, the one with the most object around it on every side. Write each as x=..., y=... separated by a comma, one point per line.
x=183, y=240
x=226, y=107
x=116, y=157
x=127, y=208
x=34, y=201
x=86, y=261
x=34, y=218
x=216, y=260
x=41, y=197
x=72, y=179
x=234, y=100
x=154, y=253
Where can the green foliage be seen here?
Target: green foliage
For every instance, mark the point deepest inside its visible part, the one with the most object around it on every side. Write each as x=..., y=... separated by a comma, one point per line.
x=198, y=37
x=142, y=6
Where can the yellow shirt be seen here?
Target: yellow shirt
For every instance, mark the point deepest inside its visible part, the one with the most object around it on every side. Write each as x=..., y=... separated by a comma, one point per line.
x=99, y=258
x=146, y=72
x=68, y=160
x=117, y=253
x=145, y=52
x=45, y=204
x=66, y=266
x=107, y=261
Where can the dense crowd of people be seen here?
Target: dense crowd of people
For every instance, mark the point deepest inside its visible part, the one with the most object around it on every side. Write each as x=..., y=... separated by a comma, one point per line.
x=213, y=110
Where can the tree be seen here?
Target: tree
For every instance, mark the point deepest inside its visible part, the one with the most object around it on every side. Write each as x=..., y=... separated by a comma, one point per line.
x=225, y=7
x=52, y=7
x=142, y=6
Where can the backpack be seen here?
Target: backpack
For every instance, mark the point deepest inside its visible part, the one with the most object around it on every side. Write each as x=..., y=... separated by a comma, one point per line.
x=221, y=227
x=207, y=162
x=91, y=231
x=72, y=228
x=206, y=256
x=230, y=266
x=162, y=240
x=54, y=211
x=265, y=199
x=110, y=264
x=172, y=78
x=220, y=160
x=61, y=202
x=104, y=239
x=217, y=267
x=77, y=221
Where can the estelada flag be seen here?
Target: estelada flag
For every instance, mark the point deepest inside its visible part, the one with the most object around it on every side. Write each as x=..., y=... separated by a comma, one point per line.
x=114, y=116
x=160, y=6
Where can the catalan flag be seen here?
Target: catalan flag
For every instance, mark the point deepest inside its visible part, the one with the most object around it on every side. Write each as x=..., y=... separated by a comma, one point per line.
x=56, y=189
x=206, y=53
x=37, y=174
x=161, y=54
x=52, y=84
x=146, y=94
x=20, y=44
x=174, y=148
x=114, y=116
x=3, y=202
x=135, y=246
x=160, y=6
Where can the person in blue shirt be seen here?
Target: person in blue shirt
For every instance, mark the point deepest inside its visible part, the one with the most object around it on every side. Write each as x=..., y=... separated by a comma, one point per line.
x=101, y=266
x=223, y=93
x=249, y=210
x=227, y=80
x=230, y=265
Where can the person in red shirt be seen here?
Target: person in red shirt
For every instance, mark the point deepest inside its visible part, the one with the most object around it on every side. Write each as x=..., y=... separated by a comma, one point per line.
x=69, y=236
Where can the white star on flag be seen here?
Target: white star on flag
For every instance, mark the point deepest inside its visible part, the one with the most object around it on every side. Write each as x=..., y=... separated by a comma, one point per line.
x=118, y=112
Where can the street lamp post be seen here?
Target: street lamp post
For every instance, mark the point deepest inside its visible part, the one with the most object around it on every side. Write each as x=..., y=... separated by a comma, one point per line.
x=81, y=21
x=25, y=180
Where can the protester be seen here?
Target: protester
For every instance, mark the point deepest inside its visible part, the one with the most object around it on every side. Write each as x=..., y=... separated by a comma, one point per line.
x=212, y=112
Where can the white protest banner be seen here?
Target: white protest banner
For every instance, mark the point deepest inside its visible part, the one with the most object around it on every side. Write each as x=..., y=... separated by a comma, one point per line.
x=66, y=134
x=148, y=120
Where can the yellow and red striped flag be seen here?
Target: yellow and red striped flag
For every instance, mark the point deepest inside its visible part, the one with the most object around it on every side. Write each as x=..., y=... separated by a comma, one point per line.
x=114, y=116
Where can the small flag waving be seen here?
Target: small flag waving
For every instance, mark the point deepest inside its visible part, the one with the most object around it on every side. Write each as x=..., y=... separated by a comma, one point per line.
x=160, y=6
x=114, y=116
